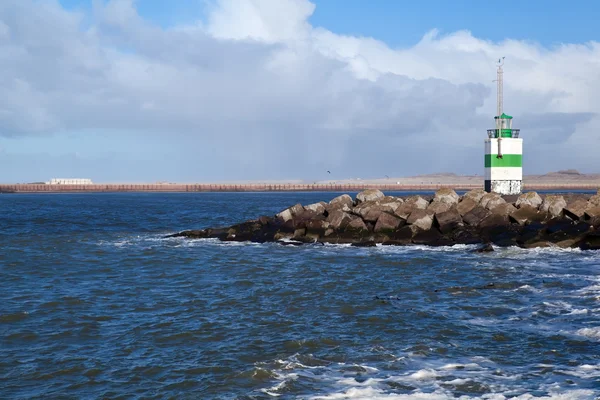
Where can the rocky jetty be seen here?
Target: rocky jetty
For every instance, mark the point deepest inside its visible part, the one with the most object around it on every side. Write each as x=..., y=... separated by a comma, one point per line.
x=528, y=221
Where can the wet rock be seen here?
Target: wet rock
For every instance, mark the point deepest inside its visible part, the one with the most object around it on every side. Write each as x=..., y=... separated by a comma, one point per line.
x=366, y=243
x=289, y=213
x=486, y=248
x=476, y=215
x=191, y=234
x=531, y=199
x=264, y=220
x=465, y=235
x=421, y=219
x=290, y=243
x=448, y=221
x=576, y=209
x=403, y=236
x=466, y=205
x=559, y=230
x=591, y=242
x=430, y=237
x=387, y=223
x=446, y=195
x=527, y=214
x=553, y=205
x=369, y=195
x=493, y=220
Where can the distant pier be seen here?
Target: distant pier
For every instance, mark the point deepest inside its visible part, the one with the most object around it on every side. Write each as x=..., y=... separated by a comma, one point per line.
x=183, y=188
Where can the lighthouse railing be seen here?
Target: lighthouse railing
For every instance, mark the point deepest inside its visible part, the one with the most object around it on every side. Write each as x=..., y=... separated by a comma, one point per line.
x=494, y=133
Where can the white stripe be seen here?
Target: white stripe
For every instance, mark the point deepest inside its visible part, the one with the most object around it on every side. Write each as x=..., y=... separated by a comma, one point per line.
x=509, y=146
x=504, y=174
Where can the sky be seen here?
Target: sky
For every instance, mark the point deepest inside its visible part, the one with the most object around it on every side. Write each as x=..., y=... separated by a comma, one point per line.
x=223, y=90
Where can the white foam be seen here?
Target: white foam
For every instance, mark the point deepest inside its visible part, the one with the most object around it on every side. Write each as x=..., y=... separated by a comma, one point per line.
x=370, y=393
x=424, y=374
x=592, y=333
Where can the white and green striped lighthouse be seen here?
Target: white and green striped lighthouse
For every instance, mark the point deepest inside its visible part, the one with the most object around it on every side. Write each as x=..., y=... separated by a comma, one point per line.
x=503, y=151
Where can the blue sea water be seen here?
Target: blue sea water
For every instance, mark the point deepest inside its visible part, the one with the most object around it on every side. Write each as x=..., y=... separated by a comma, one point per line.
x=95, y=303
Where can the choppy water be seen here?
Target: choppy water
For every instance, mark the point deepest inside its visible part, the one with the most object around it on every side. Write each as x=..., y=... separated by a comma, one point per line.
x=95, y=304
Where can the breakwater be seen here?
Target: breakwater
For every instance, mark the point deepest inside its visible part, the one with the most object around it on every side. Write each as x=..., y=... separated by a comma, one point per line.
x=175, y=188
x=528, y=221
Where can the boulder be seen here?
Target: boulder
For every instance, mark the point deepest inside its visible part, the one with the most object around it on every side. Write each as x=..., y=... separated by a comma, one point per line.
x=370, y=210
x=466, y=205
x=553, y=205
x=475, y=195
x=417, y=202
x=476, y=215
x=448, y=221
x=493, y=221
x=527, y=214
x=591, y=242
x=592, y=212
x=387, y=223
x=531, y=199
x=339, y=219
x=503, y=209
x=318, y=208
x=390, y=203
x=576, y=209
x=430, y=237
x=369, y=195
x=594, y=201
x=317, y=226
x=487, y=198
x=299, y=233
x=289, y=213
x=446, y=195
x=494, y=202
x=438, y=207
x=357, y=225
x=421, y=219
x=341, y=201
x=486, y=248
x=409, y=205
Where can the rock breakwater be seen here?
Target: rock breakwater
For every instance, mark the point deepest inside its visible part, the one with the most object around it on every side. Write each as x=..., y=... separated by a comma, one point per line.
x=477, y=217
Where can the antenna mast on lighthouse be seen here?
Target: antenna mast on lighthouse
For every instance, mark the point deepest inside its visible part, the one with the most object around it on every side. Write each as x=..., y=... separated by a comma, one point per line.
x=500, y=88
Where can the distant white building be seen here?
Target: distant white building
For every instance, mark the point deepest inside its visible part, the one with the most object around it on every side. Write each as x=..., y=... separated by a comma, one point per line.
x=62, y=181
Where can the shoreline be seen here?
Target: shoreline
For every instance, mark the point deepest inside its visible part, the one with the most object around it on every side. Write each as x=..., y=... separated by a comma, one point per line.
x=191, y=188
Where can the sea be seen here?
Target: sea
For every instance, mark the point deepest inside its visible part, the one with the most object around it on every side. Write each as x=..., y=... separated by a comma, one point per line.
x=95, y=303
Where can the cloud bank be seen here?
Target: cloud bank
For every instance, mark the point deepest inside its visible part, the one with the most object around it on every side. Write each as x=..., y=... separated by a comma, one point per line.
x=255, y=92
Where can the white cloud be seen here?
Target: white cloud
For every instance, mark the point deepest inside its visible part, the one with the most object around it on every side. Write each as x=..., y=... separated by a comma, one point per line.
x=257, y=86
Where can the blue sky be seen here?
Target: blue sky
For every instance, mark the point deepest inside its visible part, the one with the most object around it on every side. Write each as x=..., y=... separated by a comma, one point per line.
x=403, y=23
x=140, y=90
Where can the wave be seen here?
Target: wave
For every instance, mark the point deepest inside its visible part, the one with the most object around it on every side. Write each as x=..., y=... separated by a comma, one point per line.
x=478, y=378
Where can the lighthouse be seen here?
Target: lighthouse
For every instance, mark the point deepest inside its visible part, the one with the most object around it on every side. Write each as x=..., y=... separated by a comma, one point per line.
x=503, y=150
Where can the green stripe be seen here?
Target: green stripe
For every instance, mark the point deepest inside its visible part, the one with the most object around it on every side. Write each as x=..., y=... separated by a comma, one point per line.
x=507, y=160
